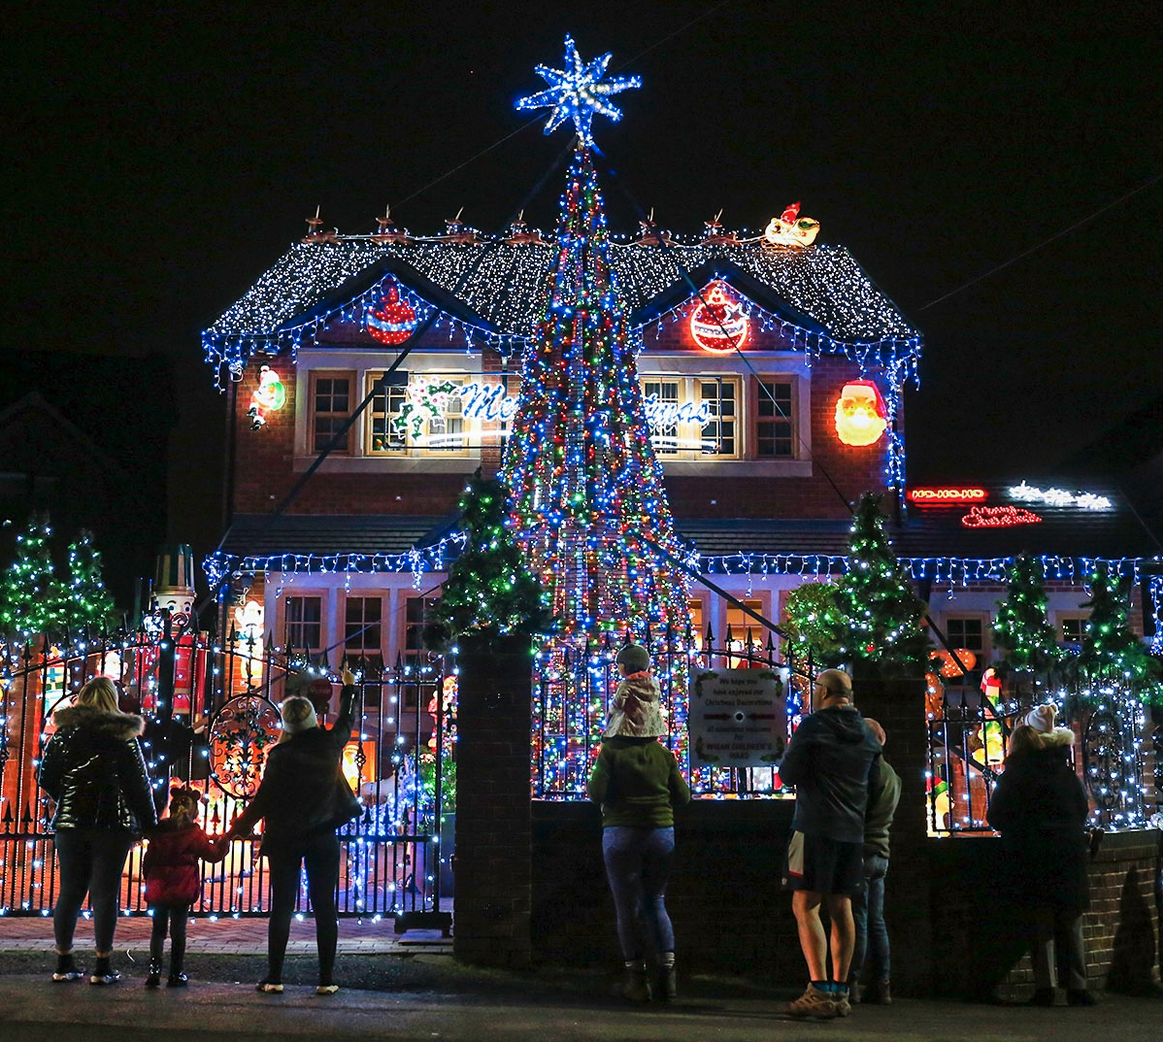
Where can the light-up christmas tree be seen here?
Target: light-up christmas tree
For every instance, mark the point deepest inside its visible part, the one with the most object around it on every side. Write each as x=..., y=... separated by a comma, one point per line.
x=1021, y=628
x=815, y=623
x=32, y=600
x=89, y=605
x=1110, y=648
x=587, y=498
x=882, y=615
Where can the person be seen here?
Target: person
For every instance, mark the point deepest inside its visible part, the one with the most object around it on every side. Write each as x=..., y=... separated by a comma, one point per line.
x=638, y=784
x=94, y=769
x=833, y=761
x=173, y=882
x=868, y=902
x=303, y=798
x=1040, y=808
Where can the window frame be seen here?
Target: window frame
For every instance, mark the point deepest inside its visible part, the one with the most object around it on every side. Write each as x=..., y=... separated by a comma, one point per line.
x=312, y=433
x=690, y=387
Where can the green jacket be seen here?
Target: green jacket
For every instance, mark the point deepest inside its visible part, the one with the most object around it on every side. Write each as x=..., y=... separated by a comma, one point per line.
x=881, y=808
x=638, y=784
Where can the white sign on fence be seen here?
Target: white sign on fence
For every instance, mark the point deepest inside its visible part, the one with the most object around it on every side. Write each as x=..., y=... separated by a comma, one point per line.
x=738, y=718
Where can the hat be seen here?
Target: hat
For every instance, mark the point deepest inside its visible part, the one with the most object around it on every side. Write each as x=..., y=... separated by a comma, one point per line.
x=298, y=714
x=634, y=657
x=635, y=711
x=1040, y=720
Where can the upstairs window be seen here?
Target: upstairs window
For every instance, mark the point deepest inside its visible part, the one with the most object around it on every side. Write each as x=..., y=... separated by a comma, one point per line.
x=774, y=419
x=693, y=417
x=440, y=415
x=331, y=405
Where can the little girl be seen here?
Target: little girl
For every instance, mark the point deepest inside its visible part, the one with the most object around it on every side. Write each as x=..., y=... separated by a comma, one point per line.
x=172, y=881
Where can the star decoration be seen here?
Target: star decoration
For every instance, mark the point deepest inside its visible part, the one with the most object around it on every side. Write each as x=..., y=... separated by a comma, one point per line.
x=577, y=92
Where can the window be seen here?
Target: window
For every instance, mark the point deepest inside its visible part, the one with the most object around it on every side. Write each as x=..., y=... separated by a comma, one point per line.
x=304, y=622
x=440, y=415
x=692, y=417
x=1071, y=628
x=362, y=642
x=774, y=426
x=968, y=632
x=745, y=636
x=416, y=654
x=331, y=405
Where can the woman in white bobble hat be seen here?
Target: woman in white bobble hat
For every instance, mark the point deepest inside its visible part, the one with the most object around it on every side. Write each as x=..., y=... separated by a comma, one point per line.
x=1040, y=808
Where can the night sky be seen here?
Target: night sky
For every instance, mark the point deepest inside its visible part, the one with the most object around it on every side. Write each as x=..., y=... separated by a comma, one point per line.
x=164, y=160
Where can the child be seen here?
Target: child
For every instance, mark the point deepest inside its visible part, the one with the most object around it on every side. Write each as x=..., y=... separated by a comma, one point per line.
x=172, y=881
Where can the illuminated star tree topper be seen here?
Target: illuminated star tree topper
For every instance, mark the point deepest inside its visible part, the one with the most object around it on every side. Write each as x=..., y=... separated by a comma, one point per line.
x=577, y=92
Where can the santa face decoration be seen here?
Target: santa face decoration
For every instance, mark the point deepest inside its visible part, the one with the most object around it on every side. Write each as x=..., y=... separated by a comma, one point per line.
x=861, y=415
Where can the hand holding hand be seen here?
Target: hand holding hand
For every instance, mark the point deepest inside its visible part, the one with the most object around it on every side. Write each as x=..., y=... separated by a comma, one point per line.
x=348, y=677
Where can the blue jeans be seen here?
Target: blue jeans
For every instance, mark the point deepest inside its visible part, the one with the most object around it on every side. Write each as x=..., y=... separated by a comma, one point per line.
x=638, y=865
x=868, y=915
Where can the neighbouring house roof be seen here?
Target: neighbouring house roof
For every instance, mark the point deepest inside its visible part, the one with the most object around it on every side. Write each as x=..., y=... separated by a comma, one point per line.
x=820, y=288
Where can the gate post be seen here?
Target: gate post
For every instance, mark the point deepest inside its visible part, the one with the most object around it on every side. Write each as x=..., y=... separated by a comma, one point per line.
x=494, y=837
x=899, y=706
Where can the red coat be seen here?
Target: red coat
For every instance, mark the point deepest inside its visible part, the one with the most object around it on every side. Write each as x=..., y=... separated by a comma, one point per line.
x=170, y=866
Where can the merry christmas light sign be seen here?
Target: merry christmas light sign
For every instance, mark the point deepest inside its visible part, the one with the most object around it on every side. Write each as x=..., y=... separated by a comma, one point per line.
x=1056, y=497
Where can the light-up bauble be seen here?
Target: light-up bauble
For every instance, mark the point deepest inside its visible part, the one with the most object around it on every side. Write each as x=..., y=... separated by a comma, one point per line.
x=952, y=663
x=720, y=325
x=393, y=321
x=861, y=415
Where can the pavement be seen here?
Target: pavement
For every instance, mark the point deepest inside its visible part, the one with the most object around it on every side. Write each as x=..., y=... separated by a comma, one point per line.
x=412, y=989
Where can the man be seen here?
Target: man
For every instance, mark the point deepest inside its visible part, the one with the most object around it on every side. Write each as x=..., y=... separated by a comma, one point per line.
x=833, y=761
x=868, y=904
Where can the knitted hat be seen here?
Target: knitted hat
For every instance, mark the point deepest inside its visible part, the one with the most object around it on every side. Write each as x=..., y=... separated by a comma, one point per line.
x=634, y=657
x=1041, y=718
x=298, y=714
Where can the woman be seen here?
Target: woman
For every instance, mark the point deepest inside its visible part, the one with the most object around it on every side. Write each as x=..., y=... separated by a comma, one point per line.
x=94, y=770
x=637, y=781
x=303, y=799
x=1040, y=808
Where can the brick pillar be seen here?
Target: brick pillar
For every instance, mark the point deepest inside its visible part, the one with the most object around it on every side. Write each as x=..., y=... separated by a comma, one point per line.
x=494, y=881
x=899, y=705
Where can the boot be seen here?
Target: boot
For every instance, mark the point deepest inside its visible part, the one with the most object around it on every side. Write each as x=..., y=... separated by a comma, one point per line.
x=67, y=969
x=635, y=986
x=665, y=979
x=103, y=973
x=879, y=993
x=1041, y=997
x=154, y=979
x=856, y=992
x=177, y=979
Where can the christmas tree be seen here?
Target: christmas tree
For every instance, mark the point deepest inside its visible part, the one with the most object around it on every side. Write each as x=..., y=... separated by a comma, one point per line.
x=489, y=590
x=1021, y=628
x=882, y=615
x=1110, y=648
x=32, y=601
x=89, y=605
x=587, y=497
x=814, y=623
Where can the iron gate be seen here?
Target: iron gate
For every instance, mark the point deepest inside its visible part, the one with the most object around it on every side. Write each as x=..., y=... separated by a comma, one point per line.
x=211, y=714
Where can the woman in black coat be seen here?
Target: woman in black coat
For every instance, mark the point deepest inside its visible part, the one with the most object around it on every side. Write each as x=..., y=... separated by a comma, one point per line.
x=1040, y=808
x=303, y=799
x=94, y=770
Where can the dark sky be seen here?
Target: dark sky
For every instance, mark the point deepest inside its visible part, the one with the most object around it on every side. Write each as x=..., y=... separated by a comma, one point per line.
x=165, y=159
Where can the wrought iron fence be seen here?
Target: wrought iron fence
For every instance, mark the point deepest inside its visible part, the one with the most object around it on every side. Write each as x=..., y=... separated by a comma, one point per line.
x=1117, y=752
x=211, y=712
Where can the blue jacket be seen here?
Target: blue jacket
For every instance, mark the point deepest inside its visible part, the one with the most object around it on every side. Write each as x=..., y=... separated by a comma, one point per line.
x=833, y=761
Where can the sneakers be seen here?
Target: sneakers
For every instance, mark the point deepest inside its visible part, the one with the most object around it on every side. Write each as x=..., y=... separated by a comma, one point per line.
x=269, y=987
x=108, y=977
x=177, y=980
x=67, y=970
x=327, y=989
x=843, y=1004
x=819, y=1004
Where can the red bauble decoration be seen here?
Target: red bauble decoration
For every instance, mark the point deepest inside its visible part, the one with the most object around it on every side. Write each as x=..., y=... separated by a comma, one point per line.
x=719, y=325
x=394, y=321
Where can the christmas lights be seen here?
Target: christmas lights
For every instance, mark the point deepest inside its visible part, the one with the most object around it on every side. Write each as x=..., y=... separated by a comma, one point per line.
x=720, y=325
x=998, y=517
x=1057, y=497
x=936, y=497
x=861, y=415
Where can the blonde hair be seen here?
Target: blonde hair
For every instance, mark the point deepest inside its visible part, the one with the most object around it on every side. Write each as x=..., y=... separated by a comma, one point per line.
x=1023, y=739
x=298, y=714
x=100, y=694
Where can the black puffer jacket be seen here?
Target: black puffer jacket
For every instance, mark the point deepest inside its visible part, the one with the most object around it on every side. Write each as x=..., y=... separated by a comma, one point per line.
x=94, y=769
x=303, y=791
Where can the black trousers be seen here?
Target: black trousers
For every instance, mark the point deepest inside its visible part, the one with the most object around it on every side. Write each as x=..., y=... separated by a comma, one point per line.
x=91, y=861
x=320, y=856
x=171, y=918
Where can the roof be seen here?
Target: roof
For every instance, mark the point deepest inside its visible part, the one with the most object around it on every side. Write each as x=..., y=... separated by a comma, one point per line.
x=503, y=294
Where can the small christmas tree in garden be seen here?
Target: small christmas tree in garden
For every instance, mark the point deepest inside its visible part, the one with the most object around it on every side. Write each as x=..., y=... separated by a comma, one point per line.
x=489, y=591
x=1110, y=648
x=31, y=599
x=882, y=615
x=815, y=623
x=90, y=607
x=1021, y=628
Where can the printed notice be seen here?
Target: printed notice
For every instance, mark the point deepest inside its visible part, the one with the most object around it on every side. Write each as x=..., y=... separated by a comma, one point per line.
x=738, y=718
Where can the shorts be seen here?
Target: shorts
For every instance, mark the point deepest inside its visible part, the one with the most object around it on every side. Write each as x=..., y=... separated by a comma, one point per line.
x=823, y=866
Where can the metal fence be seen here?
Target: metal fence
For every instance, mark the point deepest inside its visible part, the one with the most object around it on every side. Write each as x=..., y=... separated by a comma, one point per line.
x=211, y=715
x=1117, y=752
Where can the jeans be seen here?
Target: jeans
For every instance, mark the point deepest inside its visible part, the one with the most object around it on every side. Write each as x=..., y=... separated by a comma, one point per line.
x=173, y=918
x=320, y=854
x=91, y=861
x=638, y=864
x=868, y=916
